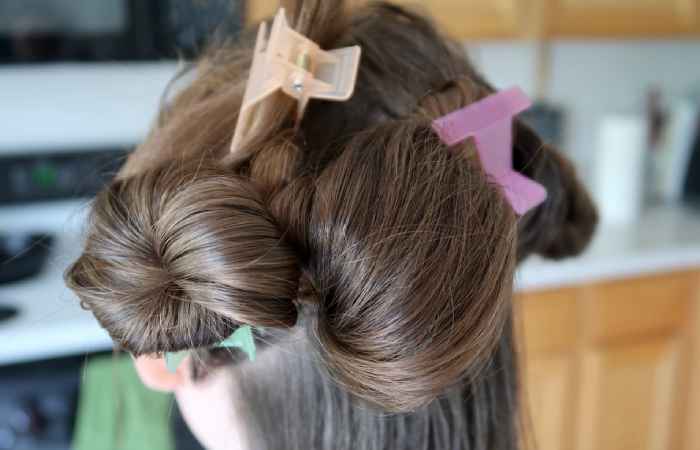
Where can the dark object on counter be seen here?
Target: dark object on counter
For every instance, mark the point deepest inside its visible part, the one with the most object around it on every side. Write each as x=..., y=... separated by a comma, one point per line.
x=22, y=255
x=548, y=121
x=657, y=117
x=691, y=187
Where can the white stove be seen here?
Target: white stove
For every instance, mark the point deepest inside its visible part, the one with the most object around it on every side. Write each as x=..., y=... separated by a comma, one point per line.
x=49, y=321
x=79, y=81
x=57, y=121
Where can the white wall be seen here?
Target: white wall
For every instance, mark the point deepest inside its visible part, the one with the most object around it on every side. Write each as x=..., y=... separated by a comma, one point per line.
x=592, y=78
x=70, y=106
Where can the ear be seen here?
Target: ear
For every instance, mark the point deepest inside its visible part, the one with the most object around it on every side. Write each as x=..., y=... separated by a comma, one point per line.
x=155, y=375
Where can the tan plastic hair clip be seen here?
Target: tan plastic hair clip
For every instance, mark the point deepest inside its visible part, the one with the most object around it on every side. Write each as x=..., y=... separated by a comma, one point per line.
x=290, y=62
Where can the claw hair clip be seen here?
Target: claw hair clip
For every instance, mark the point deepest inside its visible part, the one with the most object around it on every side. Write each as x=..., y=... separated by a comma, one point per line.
x=490, y=122
x=242, y=338
x=289, y=62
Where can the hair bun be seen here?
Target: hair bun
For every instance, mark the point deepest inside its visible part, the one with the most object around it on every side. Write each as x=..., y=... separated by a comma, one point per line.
x=564, y=224
x=178, y=256
x=412, y=254
x=575, y=218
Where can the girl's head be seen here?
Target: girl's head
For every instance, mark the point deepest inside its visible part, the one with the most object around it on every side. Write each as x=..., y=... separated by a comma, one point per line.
x=374, y=263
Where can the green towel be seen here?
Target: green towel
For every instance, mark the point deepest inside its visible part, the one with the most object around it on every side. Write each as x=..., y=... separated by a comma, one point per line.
x=116, y=412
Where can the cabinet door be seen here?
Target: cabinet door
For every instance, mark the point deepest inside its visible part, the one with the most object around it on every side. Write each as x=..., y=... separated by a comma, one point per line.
x=463, y=19
x=549, y=362
x=621, y=18
x=637, y=362
x=615, y=365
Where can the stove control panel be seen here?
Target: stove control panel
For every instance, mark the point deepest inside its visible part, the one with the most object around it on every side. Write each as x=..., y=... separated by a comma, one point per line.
x=57, y=176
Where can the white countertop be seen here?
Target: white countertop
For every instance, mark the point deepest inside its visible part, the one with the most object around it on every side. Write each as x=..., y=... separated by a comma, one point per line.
x=666, y=238
x=52, y=323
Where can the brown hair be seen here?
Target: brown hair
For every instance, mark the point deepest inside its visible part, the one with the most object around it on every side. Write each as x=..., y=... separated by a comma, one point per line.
x=391, y=254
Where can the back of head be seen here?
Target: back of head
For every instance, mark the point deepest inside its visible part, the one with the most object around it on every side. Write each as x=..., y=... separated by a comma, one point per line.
x=374, y=263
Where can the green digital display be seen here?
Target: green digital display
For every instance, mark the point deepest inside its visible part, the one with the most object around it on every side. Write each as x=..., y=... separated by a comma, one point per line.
x=44, y=176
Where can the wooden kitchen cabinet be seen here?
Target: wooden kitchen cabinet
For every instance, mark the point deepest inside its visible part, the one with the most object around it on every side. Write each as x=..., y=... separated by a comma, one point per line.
x=614, y=365
x=466, y=19
x=489, y=19
x=459, y=18
x=621, y=18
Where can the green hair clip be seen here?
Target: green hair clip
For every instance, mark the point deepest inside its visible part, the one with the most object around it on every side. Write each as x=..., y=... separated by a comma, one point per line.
x=242, y=338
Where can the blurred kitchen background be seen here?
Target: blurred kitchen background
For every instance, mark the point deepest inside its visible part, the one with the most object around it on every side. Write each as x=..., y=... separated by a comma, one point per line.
x=610, y=340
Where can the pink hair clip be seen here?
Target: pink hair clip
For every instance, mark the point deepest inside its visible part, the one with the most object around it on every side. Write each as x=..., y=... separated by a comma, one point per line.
x=490, y=122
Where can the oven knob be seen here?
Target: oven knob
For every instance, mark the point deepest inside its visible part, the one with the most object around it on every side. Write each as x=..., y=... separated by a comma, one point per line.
x=8, y=438
x=27, y=419
x=20, y=419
